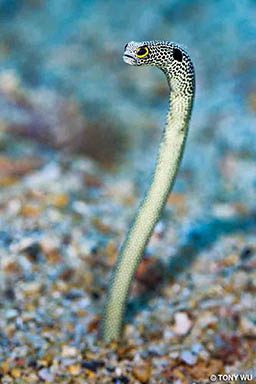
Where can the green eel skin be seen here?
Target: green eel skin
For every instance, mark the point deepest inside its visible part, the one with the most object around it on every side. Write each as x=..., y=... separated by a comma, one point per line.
x=179, y=71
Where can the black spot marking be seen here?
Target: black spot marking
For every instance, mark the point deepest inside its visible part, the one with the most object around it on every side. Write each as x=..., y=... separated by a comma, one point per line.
x=177, y=54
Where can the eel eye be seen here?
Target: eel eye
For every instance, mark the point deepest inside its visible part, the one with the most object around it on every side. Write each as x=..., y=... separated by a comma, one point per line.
x=142, y=52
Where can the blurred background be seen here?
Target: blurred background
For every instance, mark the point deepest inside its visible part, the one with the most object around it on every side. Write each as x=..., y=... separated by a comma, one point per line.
x=63, y=83
x=79, y=132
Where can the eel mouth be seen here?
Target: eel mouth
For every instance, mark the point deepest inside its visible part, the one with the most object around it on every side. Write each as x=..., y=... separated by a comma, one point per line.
x=129, y=59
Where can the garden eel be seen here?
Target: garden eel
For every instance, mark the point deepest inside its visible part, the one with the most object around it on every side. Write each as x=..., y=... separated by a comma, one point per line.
x=175, y=62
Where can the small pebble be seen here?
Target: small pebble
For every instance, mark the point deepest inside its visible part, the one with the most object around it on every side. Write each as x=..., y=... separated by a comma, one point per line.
x=182, y=323
x=69, y=351
x=74, y=369
x=4, y=367
x=120, y=380
x=16, y=373
x=188, y=357
x=196, y=348
x=142, y=372
x=46, y=375
x=118, y=371
x=11, y=313
x=92, y=365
